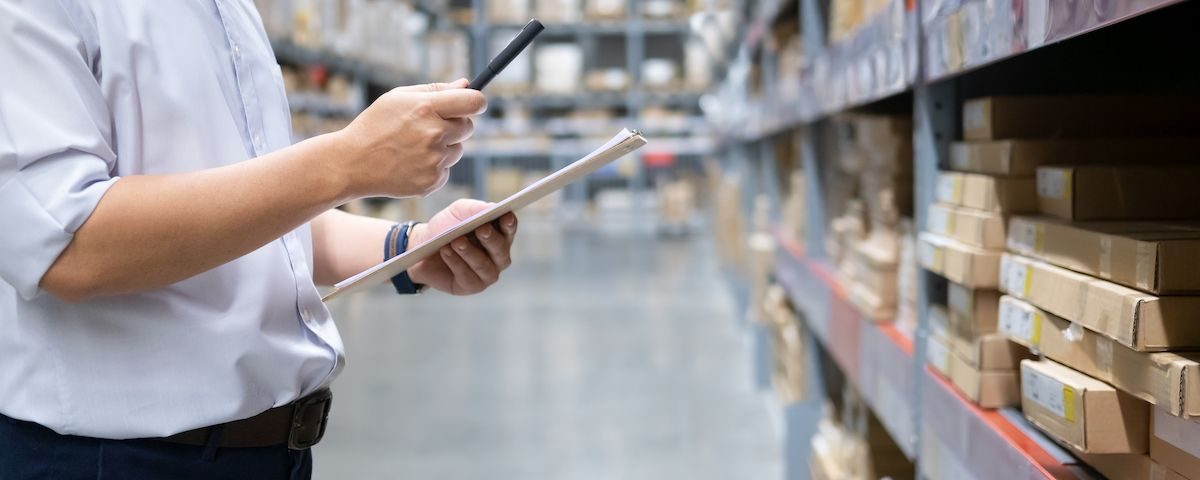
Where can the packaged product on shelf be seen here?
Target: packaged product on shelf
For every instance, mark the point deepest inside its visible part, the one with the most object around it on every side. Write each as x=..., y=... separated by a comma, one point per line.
x=662, y=9
x=728, y=211
x=1175, y=443
x=873, y=275
x=1155, y=257
x=977, y=228
x=845, y=17
x=994, y=118
x=793, y=212
x=972, y=311
x=449, y=55
x=1169, y=380
x=983, y=192
x=990, y=352
x=845, y=233
x=958, y=262
x=1138, y=320
x=1023, y=157
x=559, y=11
x=939, y=323
x=761, y=247
x=605, y=9
x=609, y=79
x=790, y=371
x=1111, y=192
x=697, y=66
x=1122, y=465
x=559, y=67
x=660, y=74
x=508, y=11
x=1087, y=414
x=988, y=388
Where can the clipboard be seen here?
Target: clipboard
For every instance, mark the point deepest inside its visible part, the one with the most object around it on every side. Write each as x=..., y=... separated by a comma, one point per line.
x=620, y=145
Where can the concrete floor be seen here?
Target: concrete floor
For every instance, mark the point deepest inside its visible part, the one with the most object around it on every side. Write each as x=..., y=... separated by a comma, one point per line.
x=604, y=353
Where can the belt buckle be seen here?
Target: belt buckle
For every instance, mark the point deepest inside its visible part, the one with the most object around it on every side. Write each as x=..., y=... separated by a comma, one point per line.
x=303, y=434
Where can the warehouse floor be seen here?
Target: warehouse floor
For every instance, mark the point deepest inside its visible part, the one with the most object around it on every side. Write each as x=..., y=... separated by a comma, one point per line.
x=604, y=353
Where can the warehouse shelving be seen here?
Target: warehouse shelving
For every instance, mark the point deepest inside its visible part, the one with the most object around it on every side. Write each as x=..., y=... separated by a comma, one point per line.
x=948, y=51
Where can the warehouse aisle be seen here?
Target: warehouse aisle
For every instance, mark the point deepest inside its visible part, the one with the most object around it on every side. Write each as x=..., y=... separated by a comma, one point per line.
x=603, y=354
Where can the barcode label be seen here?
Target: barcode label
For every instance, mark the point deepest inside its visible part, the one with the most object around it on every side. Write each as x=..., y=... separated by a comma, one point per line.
x=1022, y=324
x=1052, y=182
x=1049, y=393
x=939, y=221
x=938, y=355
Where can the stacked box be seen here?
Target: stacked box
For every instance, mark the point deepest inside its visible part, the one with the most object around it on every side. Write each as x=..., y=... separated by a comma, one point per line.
x=876, y=152
x=789, y=375
x=1100, y=284
x=856, y=449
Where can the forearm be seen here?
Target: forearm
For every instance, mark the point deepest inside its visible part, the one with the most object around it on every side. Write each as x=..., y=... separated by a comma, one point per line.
x=346, y=244
x=150, y=231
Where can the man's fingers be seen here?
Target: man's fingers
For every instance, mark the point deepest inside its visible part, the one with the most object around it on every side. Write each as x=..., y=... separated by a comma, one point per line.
x=479, y=260
x=458, y=130
x=464, y=277
x=454, y=153
x=434, y=87
x=508, y=225
x=496, y=244
x=458, y=102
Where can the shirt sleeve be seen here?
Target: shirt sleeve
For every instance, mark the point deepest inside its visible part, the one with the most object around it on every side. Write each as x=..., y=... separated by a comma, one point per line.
x=55, y=136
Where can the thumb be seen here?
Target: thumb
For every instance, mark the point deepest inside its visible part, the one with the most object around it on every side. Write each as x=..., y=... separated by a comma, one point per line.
x=466, y=208
x=434, y=87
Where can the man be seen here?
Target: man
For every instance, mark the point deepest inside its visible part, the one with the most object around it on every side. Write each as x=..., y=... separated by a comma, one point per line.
x=158, y=314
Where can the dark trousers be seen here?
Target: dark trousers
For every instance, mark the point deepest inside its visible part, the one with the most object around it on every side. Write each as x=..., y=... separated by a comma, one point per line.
x=30, y=451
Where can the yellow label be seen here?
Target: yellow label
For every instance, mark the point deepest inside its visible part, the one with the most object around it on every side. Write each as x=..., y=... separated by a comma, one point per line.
x=1028, y=281
x=958, y=182
x=1068, y=403
x=1039, y=231
x=1067, y=183
x=1035, y=330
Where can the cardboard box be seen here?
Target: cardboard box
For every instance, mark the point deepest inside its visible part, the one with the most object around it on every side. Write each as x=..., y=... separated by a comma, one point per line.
x=1155, y=257
x=977, y=228
x=973, y=312
x=939, y=322
x=1175, y=443
x=958, y=262
x=1138, y=320
x=1023, y=157
x=1119, y=465
x=938, y=355
x=1063, y=116
x=1108, y=192
x=1169, y=380
x=987, y=388
x=992, y=352
x=1087, y=414
x=983, y=192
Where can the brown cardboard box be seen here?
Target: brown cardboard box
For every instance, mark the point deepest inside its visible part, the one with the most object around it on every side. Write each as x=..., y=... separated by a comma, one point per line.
x=939, y=321
x=992, y=352
x=1169, y=380
x=937, y=354
x=1152, y=256
x=983, y=192
x=1175, y=443
x=987, y=388
x=1119, y=465
x=977, y=228
x=973, y=313
x=1138, y=320
x=1107, y=192
x=1087, y=414
x=1023, y=157
x=992, y=118
x=958, y=262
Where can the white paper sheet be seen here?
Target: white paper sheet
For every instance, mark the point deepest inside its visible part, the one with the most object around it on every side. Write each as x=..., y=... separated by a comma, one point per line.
x=620, y=145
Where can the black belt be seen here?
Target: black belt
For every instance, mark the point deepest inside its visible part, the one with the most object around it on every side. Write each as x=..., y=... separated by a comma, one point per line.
x=299, y=424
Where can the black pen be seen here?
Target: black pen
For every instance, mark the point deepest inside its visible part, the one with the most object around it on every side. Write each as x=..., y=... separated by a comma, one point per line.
x=506, y=56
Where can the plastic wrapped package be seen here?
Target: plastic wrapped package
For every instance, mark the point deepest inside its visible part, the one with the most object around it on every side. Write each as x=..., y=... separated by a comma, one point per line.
x=509, y=11
x=559, y=68
x=559, y=11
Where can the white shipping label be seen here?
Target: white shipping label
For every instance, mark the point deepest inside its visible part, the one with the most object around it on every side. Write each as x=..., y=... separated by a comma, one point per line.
x=1025, y=236
x=938, y=355
x=1048, y=393
x=1020, y=323
x=1052, y=182
x=947, y=189
x=1016, y=281
x=939, y=221
x=928, y=254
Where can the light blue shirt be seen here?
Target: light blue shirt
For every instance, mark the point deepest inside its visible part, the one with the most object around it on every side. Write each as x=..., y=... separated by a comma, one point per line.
x=93, y=90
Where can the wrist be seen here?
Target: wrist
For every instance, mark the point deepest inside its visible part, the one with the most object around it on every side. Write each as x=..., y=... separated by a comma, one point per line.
x=339, y=154
x=416, y=235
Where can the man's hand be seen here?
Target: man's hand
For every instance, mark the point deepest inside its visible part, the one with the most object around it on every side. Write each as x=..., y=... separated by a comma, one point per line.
x=464, y=267
x=404, y=144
